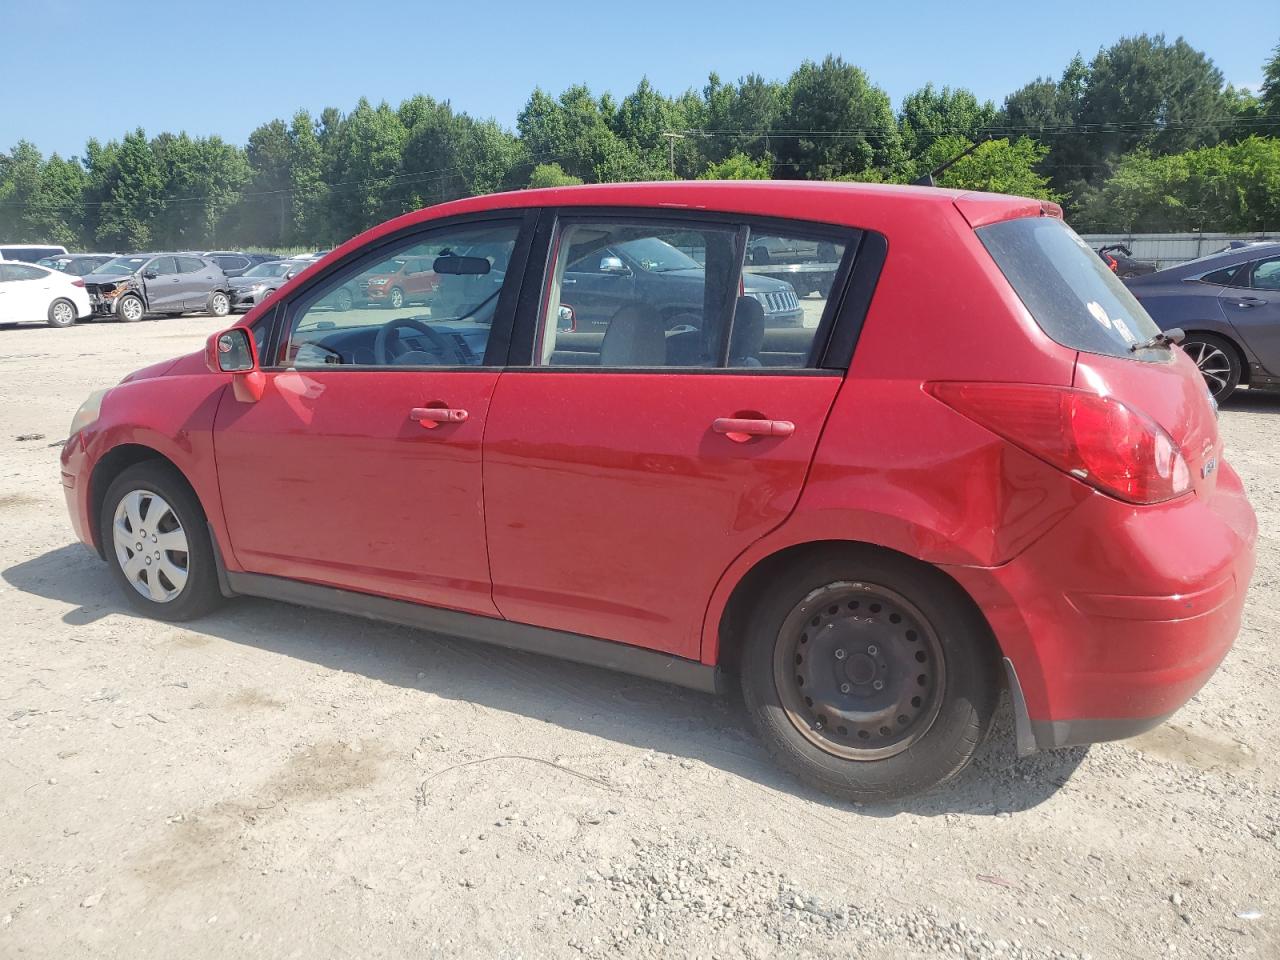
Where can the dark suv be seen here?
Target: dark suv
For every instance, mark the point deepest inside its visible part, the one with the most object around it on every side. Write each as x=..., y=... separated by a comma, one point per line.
x=236, y=264
x=170, y=283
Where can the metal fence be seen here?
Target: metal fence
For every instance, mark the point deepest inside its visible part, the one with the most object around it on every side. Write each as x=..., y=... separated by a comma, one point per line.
x=1170, y=249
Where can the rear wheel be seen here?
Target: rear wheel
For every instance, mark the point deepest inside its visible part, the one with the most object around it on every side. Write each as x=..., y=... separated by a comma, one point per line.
x=869, y=676
x=1217, y=360
x=62, y=313
x=158, y=545
x=130, y=309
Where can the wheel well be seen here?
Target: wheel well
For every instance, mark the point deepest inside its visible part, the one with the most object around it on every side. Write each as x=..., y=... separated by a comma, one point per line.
x=755, y=583
x=113, y=463
x=1244, y=362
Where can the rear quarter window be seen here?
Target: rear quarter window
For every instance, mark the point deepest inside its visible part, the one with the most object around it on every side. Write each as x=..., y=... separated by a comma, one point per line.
x=1067, y=288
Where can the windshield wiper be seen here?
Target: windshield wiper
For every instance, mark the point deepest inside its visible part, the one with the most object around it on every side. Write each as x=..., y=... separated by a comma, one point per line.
x=1164, y=338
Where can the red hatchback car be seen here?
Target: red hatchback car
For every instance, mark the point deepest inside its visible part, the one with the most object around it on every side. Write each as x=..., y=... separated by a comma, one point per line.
x=976, y=464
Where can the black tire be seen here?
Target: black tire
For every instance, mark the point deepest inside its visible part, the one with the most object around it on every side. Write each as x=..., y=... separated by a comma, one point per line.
x=200, y=593
x=1218, y=361
x=130, y=308
x=62, y=313
x=219, y=303
x=952, y=716
x=395, y=298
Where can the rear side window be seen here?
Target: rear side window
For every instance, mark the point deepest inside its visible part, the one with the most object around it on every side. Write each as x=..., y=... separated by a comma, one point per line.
x=1066, y=287
x=189, y=264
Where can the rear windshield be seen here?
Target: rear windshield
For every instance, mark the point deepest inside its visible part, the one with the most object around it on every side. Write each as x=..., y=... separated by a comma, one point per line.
x=1067, y=288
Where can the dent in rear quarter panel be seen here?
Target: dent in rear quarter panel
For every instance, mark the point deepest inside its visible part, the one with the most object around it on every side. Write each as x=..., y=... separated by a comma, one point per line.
x=895, y=467
x=174, y=416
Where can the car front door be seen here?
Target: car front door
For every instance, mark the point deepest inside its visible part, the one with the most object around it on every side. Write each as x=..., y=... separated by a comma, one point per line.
x=1254, y=310
x=359, y=466
x=620, y=486
x=163, y=284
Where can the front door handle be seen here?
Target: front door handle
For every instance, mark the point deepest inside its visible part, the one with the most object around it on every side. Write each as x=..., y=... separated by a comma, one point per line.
x=431, y=417
x=740, y=429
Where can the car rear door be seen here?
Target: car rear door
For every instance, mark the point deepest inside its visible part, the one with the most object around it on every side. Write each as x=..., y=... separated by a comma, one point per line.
x=619, y=486
x=1254, y=310
x=360, y=465
x=196, y=278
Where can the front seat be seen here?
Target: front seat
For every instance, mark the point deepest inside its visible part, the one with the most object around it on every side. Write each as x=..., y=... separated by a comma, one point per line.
x=748, y=334
x=635, y=338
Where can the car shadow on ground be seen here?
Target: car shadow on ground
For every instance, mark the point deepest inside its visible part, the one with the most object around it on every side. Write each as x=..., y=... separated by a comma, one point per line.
x=640, y=713
x=1253, y=401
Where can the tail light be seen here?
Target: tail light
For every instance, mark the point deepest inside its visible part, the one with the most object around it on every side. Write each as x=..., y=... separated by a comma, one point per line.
x=1097, y=439
x=78, y=282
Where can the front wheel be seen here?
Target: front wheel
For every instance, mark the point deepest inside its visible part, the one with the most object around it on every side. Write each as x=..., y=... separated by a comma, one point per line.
x=396, y=298
x=343, y=300
x=1217, y=361
x=62, y=313
x=130, y=309
x=158, y=545
x=869, y=676
x=219, y=304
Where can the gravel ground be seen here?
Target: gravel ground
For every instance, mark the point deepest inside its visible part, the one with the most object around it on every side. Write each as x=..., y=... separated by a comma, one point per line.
x=284, y=783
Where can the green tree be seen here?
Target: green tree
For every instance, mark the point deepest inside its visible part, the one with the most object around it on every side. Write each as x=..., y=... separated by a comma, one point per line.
x=19, y=188
x=929, y=113
x=1269, y=94
x=835, y=121
x=551, y=175
x=739, y=166
x=1231, y=186
x=133, y=188
x=367, y=150
x=998, y=166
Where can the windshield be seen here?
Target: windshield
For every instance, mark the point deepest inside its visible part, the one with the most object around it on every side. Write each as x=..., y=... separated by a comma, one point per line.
x=122, y=266
x=1066, y=287
x=657, y=256
x=276, y=268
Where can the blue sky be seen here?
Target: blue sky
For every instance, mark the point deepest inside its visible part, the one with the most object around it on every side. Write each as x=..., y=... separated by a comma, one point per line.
x=226, y=66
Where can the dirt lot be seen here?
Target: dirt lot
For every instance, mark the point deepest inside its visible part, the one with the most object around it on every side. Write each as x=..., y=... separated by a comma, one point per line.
x=273, y=782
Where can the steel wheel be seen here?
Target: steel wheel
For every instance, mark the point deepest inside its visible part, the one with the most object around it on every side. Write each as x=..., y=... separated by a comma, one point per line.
x=1214, y=364
x=151, y=546
x=859, y=671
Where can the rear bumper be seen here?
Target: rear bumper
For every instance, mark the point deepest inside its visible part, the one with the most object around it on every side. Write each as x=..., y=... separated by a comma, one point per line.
x=1142, y=605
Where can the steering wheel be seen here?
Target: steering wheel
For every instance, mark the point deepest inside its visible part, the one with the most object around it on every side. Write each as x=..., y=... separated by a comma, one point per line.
x=382, y=343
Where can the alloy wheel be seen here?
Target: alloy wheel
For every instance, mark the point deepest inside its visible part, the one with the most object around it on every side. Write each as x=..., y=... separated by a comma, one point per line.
x=859, y=670
x=131, y=309
x=151, y=546
x=63, y=313
x=1214, y=365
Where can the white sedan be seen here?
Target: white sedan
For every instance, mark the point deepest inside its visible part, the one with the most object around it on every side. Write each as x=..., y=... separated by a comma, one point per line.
x=31, y=294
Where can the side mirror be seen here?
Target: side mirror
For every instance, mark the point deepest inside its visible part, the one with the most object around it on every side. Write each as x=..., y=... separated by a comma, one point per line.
x=150, y=275
x=566, y=319
x=612, y=265
x=233, y=351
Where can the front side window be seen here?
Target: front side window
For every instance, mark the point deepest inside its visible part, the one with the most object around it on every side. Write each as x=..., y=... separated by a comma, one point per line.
x=364, y=318
x=162, y=266
x=632, y=294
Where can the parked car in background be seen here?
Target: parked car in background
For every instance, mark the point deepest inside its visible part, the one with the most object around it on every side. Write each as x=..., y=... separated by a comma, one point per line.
x=869, y=524
x=129, y=288
x=408, y=280
x=260, y=281
x=34, y=294
x=29, y=252
x=1119, y=259
x=234, y=263
x=77, y=264
x=1228, y=305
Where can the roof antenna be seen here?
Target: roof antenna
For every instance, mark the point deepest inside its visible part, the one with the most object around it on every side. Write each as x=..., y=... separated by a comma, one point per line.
x=927, y=179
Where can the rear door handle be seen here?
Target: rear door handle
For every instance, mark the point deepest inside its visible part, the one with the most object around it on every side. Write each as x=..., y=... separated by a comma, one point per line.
x=739, y=429
x=1250, y=302
x=430, y=417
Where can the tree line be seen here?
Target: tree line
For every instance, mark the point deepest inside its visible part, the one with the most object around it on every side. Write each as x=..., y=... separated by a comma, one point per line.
x=1145, y=136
